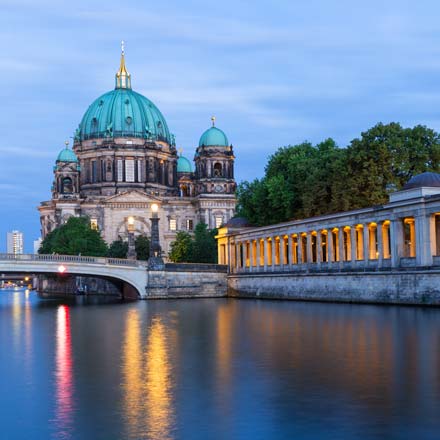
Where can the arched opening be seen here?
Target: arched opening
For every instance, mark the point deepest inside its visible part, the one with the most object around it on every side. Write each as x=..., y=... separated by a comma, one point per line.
x=67, y=185
x=184, y=191
x=218, y=171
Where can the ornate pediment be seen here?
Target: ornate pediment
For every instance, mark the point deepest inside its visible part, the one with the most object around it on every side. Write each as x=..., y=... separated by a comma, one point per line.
x=135, y=199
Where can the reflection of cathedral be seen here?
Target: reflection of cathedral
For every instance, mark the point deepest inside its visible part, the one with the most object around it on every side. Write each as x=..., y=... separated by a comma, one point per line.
x=124, y=159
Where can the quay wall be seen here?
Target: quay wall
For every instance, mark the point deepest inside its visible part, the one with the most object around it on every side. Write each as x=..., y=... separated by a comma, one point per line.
x=412, y=287
x=187, y=281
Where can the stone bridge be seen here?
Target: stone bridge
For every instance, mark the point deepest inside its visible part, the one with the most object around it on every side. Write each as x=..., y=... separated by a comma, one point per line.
x=132, y=274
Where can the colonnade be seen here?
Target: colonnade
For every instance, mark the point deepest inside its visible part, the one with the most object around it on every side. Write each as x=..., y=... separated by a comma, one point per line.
x=403, y=241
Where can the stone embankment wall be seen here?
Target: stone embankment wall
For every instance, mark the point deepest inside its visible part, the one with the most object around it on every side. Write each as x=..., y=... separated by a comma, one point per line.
x=187, y=281
x=418, y=287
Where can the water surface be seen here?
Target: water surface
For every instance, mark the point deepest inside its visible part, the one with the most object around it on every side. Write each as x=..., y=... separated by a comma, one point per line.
x=217, y=369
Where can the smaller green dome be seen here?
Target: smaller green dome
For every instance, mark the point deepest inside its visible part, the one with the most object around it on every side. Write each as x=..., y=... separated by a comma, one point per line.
x=214, y=136
x=183, y=165
x=67, y=155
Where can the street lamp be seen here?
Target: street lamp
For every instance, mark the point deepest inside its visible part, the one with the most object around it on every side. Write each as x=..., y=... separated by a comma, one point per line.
x=155, y=261
x=131, y=253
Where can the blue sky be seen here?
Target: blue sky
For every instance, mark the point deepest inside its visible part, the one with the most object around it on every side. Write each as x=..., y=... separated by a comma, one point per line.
x=274, y=73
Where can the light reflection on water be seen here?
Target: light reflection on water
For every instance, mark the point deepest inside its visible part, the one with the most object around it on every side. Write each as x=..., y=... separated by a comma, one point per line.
x=217, y=369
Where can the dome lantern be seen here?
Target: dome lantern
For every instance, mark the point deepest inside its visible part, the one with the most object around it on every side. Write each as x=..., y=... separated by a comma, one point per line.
x=122, y=77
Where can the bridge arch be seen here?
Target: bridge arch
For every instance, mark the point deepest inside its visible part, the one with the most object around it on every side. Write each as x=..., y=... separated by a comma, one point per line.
x=132, y=274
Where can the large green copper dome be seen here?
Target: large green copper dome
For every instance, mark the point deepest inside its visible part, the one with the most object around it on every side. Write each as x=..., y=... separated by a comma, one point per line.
x=123, y=113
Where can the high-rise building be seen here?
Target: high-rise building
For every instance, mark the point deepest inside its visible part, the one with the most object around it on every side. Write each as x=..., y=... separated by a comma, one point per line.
x=15, y=242
x=37, y=244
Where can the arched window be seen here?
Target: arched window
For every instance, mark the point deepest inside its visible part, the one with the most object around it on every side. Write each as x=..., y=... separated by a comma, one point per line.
x=67, y=185
x=184, y=191
x=218, y=169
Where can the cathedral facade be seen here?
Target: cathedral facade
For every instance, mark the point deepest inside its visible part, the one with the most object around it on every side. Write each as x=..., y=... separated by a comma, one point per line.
x=124, y=159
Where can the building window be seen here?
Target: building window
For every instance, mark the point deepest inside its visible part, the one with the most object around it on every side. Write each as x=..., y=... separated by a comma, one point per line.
x=173, y=224
x=218, y=170
x=94, y=224
x=129, y=170
x=120, y=173
x=94, y=171
x=139, y=171
x=189, y=224
x=218, y=221
x=67, y=186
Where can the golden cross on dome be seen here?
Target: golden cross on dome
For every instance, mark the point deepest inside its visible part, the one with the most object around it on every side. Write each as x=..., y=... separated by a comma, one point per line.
x=181, y=151
x=123, y=46
x=213, y=120
x=66, y=143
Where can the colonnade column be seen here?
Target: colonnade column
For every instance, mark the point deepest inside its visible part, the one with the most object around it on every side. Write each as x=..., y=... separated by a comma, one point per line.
x=379, y=231
x=299, y=248
x=330, y=246
x=423, y=240
x=258, y=252
x=309, y=247
x=237, y=256
x=318, y=247
x=366, y=238
x=282, y=251
x=290, y=249
x=265, y=253
x=250, y=249
x=273, y=252
x=396, y=229
x=341, y=246
x=353, y=233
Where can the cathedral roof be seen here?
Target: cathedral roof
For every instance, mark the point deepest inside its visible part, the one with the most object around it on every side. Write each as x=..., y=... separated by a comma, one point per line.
x=184, y=165
x=123, y=112
x=213, y=136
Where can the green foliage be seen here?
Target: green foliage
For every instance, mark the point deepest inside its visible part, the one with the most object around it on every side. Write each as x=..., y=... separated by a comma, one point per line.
x=118, y=249
x=182, y=248
x=142, y=246
x=73, y=238
x=305, y=180
x=204, y=245
x=202, y=248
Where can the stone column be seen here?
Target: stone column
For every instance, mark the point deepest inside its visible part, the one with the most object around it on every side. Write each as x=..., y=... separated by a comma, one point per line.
x=237, y=256
x=273, y=252
x=258, y=254
x=341, y=246
x=309, y=247
x=265, y=253
x=282, y=251
x=318, y=247
x=366, y=243
x=380, y=243
x=353, y=233
x=330, y=252
x=299, y=247
x=251, y=255
x=290, y=249
x=423, y=240
x=397, y=245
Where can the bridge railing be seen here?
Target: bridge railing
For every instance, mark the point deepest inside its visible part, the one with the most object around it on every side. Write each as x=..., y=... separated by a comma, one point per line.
x=71, y=259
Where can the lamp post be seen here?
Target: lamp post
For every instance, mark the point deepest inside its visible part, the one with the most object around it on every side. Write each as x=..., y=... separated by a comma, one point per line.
x=155, y=262
x=131, y=253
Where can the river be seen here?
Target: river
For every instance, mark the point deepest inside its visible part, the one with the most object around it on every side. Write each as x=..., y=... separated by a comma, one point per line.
x=216, y=369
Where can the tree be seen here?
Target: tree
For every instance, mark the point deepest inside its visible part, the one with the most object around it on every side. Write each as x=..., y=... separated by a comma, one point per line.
x=305, y=180
x=204, y=245
x=142, y=246
x=73, y=238
x=118, y=249
x=181, y=248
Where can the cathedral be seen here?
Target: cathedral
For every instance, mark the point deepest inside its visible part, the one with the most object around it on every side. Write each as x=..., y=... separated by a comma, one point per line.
x=124, y=160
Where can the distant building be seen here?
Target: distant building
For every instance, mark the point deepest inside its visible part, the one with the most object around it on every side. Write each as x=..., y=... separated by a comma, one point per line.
x=15, y=242
x=37, y=244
